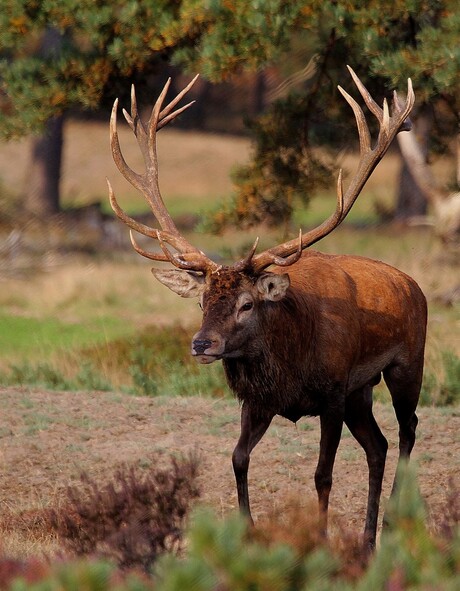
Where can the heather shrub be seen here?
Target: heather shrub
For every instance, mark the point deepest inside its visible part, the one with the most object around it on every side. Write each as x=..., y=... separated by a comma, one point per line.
x=131, y=519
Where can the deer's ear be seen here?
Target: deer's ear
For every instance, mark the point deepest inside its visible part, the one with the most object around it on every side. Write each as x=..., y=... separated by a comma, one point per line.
x=272, y=286
x=187, y=284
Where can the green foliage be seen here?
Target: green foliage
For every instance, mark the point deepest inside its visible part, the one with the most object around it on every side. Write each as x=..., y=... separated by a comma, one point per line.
x=410, y=557
x=158, y=361
x=226, y=556
x=441, y=385
x=415, y=39
x=97, y=47
x=220, y=555
x=450, y=390
x=57, y=55
x=95, y=576
x=60, y=55
x=142, y=373
x=241, y=35
x=386, y=44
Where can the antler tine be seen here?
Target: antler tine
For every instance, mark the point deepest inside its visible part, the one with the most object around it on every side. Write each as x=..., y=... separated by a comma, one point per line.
x=156, y=111
x=270, y=257
x=138, y=226
x=173, y=115
x=153, y=256
x=370, y=156
x=187, y=261
x=370, y=103
x=165, y=117
x=386, y=118
x=187, y=256
x=291, y=259
x=246, y=262
x=398, y=107
x=131, y=117
x=363, y=130
x=124, y=217
x=133, y=177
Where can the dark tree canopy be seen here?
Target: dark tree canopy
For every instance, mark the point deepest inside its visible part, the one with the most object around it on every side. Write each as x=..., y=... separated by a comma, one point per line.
x=105, y=43
x=102, y=46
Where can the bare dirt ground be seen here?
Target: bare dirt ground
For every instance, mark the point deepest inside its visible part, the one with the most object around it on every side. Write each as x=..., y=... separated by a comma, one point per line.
x=48, y=439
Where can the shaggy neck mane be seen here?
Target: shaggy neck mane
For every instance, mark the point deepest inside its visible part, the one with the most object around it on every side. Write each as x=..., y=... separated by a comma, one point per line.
x=273, y=376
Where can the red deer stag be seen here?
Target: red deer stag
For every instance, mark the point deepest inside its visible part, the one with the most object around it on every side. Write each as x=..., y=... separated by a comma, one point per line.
x=313, y=335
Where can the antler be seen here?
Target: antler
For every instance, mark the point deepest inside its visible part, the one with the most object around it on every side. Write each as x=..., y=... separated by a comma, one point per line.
x=187, y=256
x=289, y=252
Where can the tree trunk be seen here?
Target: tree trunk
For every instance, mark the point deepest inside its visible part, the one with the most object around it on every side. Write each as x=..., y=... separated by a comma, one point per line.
x=42, y=183
x=258, y=102
x=42, y=191
x=458, y=155
x=411, y=200
x=412, y=197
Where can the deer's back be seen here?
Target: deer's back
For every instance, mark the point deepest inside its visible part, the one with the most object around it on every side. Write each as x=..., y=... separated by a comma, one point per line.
x=366, y=314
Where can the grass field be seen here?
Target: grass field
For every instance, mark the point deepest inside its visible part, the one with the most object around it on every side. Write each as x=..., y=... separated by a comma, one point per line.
x=52, y=314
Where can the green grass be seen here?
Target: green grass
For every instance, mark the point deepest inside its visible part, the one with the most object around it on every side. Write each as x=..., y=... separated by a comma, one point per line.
x=24, y=336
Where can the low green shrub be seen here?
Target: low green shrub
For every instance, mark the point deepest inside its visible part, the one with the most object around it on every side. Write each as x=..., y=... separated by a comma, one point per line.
x=156, y=361
x=46, y=375
x=226, y=556
x=410, y=556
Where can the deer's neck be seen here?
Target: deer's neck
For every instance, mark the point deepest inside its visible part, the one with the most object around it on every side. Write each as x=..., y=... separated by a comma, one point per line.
x=279, y=376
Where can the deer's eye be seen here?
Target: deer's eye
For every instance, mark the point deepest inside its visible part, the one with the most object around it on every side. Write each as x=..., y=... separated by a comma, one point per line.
x=245, y=307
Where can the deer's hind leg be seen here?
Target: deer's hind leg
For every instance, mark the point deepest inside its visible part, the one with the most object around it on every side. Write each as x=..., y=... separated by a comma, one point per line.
x=360, y=419
x=404, y=384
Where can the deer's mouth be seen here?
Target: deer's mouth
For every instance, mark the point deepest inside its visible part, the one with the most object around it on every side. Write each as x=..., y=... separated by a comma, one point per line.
x=205, y=359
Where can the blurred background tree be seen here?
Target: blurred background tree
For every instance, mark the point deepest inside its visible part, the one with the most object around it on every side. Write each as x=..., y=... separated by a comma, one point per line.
x=386, y=44
x=58, y=56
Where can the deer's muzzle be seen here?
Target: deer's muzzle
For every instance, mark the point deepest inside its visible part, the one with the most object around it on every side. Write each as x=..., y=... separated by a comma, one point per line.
x=207, y=349
x=199, y=346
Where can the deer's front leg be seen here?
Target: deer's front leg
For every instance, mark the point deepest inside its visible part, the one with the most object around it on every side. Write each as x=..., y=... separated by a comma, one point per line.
x=253, y=427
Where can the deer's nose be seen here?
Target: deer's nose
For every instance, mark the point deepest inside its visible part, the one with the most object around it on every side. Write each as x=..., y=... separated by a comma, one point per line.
x=200, y=345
